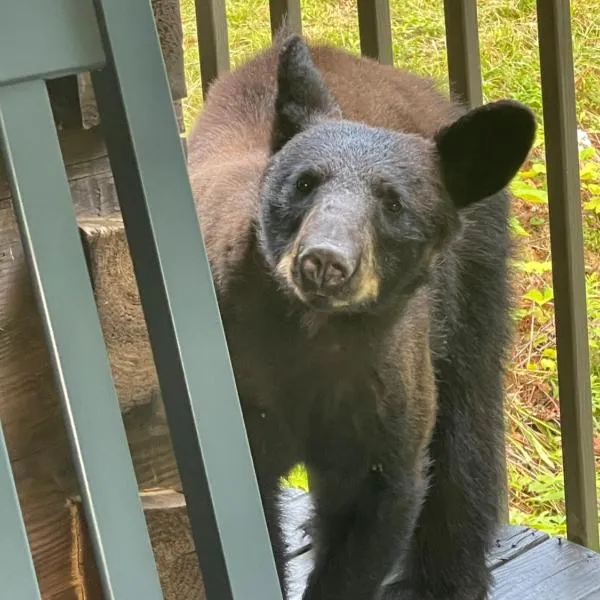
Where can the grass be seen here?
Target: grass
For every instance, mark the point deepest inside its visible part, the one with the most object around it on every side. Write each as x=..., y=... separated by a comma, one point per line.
x=510, y=68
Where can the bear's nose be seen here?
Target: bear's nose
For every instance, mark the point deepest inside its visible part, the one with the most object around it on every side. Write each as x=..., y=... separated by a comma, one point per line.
x=325, y=268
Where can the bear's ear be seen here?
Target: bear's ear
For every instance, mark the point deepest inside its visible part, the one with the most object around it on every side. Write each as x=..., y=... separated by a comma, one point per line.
x=302, y=96
x=483, y=150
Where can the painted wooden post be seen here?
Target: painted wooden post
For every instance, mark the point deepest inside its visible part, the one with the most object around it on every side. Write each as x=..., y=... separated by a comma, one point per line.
x=568, y=269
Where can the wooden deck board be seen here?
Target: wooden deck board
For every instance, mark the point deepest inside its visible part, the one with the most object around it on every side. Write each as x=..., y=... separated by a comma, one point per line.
x=527, y=564
x=512, y=541
x=554, y=569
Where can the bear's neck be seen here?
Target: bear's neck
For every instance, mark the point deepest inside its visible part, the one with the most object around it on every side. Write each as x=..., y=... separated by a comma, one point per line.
x=358, y=333
x=259, y=316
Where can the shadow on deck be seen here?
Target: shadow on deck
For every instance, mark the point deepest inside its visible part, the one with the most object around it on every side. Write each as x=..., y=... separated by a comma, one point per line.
x=527, y=564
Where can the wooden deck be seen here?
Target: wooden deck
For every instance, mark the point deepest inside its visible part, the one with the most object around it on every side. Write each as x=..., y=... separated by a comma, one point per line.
x=527, y=564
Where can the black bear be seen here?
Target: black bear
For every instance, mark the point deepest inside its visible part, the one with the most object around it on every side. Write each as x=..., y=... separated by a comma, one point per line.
x=356, y=227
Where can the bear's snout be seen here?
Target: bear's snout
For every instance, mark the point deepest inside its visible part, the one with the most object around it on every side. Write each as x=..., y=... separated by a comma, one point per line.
x=331, y=264
x=324, y=269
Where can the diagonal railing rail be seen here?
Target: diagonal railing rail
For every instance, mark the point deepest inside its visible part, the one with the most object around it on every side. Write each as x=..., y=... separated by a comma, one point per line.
x=123, y=52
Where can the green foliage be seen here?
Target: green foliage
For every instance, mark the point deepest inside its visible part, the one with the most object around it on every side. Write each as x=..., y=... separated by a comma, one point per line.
x=510, y=68
x=534, y=445
x=508, y=41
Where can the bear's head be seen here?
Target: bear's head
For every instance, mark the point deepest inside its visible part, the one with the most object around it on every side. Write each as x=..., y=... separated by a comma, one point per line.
x=351, y=215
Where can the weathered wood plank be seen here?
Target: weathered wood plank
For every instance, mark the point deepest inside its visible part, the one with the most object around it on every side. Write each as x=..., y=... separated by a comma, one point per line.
x=576, y=582
x=129, y=351
x=28, y=405
x=55, y=529
x=35, y=434
x=88, y=171
x=167, y=16
x=513, y=541
x=554, y=569
x=169, y=529
x=120, y=310
x=83, y=562
x=32, y=422
x=527, y=564
x=173, y=546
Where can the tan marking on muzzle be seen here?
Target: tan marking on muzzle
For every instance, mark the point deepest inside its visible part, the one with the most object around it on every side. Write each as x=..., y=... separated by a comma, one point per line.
x=367, y=278
x=285, y=265
x=284, y=270
x=366, y=281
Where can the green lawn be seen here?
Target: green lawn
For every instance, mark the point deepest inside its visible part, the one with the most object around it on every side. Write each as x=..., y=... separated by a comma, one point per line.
x=510, y=66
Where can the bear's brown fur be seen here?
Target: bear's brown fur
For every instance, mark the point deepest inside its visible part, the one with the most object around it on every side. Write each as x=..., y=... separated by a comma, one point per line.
x=357, y=396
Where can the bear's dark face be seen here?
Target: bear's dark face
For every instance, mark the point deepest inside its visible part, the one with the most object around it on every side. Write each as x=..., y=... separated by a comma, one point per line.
x=344, y=231
x=350, y=215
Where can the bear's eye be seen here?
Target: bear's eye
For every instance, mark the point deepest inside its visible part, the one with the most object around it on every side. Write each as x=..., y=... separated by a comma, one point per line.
x=389, y=197
x=392, y=201
x=306, y=183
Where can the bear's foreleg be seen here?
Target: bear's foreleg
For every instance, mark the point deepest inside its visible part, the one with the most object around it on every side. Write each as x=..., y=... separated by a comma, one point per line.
x=363, y=526
x=460, y=514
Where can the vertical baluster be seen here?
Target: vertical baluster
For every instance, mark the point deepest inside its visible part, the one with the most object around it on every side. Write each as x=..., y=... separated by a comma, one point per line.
x=462, y=39
x=568, y=269
x=464, y=74
x=181, y=310
x=288, y=10
x=376, y=30
x=213, y=44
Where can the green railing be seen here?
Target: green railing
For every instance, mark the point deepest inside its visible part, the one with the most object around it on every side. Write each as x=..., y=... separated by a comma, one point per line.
x=121, y=49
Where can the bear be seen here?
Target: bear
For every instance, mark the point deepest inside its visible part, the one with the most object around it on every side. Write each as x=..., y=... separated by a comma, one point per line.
x=356, y=225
